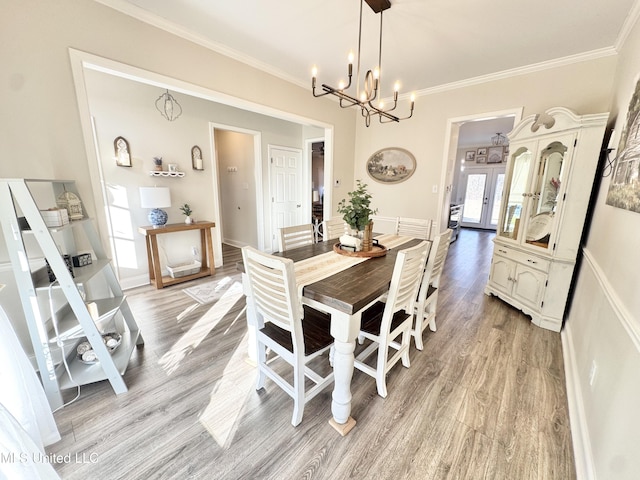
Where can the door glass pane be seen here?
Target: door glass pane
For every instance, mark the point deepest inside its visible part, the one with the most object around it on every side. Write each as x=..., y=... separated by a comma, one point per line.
x=517, y=187
x=497, y=199
x=474, y=197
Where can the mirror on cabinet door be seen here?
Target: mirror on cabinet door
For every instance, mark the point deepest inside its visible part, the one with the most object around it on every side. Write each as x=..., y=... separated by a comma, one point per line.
x=516, y=189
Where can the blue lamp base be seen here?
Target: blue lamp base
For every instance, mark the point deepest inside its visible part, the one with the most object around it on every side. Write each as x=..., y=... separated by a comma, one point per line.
x=158, y=217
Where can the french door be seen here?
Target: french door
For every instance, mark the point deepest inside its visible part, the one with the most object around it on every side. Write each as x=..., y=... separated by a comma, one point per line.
x=482, y=193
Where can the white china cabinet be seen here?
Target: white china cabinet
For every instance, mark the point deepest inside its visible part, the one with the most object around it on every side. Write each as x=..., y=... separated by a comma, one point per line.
x=550, y=175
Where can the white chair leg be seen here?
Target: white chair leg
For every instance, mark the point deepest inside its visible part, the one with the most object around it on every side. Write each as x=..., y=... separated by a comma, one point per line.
x=298, y=394
x=262, y=360
x=381, y=371
x=417, y=332
x=406, y=342
x=332, y=353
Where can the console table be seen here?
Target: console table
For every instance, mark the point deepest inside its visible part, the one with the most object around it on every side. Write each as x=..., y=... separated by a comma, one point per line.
x=153, y=258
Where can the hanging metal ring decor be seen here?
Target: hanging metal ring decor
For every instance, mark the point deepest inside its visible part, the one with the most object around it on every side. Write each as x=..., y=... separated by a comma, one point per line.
x=168, y=106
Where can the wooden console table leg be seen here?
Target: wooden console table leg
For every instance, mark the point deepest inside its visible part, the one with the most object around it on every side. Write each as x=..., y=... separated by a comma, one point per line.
x=209, y=242
x=157, y=271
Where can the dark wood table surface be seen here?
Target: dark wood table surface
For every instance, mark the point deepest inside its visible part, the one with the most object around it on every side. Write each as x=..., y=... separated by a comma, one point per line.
x=350, y=290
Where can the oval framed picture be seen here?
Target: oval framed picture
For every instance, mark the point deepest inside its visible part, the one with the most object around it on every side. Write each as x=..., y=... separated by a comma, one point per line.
x=391, y=165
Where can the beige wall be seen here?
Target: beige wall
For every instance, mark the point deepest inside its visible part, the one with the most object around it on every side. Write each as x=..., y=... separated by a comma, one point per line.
x=603, y=328
x=41, y=136
x=425, y=134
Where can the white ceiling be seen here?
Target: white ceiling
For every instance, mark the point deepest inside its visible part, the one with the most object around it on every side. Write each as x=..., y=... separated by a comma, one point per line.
x=427, y=44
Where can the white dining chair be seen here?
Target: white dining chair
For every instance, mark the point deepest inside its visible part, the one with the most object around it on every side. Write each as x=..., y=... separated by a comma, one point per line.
x=295, y=236
x=334, y=228
x=295, y=334
x=414, y=227
x=428, y=294
x=384, y=322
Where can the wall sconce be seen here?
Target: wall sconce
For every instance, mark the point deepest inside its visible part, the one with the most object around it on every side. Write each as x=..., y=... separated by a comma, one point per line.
x=156, y=198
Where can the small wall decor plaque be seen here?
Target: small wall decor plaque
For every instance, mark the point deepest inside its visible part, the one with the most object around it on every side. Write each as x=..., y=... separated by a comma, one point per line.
x=122, y=152
x=391, y=165
x=196, y=158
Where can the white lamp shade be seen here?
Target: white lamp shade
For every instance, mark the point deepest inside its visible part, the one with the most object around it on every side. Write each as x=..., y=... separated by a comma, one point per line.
x=155, y=197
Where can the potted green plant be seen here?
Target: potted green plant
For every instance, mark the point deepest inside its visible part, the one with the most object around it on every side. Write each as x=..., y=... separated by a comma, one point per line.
x=186, y=210
x=357, y=212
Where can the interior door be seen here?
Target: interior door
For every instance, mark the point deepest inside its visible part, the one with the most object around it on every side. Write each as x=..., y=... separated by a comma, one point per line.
x=482, y=192
x=286, y=190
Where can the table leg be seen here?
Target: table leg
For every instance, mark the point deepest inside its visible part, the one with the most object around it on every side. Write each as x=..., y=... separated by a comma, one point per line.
x=157, y=271
x=343, y=371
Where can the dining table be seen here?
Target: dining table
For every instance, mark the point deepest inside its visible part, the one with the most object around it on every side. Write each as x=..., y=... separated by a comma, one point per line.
x=343, y=286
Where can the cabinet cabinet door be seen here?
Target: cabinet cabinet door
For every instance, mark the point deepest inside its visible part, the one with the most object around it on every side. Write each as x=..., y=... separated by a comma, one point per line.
x=528, y=285
x=500, y=275
x=516, y=187
x=545, y=193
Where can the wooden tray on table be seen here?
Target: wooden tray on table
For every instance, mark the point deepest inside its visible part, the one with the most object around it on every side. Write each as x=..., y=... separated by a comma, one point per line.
x=376, y=251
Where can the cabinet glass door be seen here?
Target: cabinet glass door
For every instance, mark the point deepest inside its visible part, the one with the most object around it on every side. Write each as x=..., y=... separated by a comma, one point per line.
x=517, y=185
x=545, y=193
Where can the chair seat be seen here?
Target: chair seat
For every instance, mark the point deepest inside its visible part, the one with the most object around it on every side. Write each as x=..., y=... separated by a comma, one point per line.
x=372, y=319
x=315, y=329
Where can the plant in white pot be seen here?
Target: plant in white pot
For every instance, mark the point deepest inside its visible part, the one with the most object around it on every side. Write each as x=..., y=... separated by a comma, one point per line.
x=186, y=210
x=357, y=213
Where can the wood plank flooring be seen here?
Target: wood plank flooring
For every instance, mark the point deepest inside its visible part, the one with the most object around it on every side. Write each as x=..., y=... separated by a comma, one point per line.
x=485, y=399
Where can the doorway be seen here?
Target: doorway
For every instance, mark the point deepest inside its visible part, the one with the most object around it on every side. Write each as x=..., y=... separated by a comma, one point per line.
x=481, y=188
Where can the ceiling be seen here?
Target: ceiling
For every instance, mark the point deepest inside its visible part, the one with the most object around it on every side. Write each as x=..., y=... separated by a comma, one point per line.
x=428, y=45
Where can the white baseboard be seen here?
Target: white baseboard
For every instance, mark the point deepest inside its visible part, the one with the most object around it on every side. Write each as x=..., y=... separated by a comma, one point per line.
x=582, y=451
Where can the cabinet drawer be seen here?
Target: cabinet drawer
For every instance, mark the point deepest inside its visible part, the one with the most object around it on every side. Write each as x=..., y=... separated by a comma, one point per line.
x=522, y=257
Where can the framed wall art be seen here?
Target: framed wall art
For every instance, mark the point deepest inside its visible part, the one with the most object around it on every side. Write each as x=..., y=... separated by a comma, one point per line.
x=391, y=165
x=482, y=151
x=481, y=159
x=196, y=158
x=624, y=189
x=470, y=156
x=122, y=152
x=494, y=155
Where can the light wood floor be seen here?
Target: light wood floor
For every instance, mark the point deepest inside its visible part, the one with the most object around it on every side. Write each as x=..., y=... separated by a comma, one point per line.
x=485, y=399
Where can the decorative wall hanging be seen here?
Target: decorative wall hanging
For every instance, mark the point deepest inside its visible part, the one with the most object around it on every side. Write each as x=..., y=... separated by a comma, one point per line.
x=470, y=156
x=481, y=159
x=196, y=158
x=122, y=152
x=482, y=151
x=624, y=189
x=391, y=165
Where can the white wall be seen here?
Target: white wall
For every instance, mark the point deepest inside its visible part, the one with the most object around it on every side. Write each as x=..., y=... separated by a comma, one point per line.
x=603, y=327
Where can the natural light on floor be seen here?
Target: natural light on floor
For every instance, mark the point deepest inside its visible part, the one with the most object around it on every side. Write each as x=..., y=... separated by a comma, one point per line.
x=170, y=361
x=229, y=397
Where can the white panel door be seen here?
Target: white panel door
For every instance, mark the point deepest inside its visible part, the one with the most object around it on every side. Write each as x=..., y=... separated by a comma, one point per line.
x=286, y=190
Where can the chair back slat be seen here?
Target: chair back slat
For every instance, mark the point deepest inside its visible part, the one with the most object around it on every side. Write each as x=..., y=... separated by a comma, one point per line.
x=405, y=281
x=272, y=284
x=295, y=236
x=414, y=227
x=334, y=228
x=435, y=263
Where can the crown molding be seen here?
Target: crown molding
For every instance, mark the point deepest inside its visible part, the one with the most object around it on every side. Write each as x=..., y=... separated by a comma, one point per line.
x=175, y=29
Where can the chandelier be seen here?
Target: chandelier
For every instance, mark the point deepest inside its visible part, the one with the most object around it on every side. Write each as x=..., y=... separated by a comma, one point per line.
x=365, y=97
x=168, y=106
x=498, y=139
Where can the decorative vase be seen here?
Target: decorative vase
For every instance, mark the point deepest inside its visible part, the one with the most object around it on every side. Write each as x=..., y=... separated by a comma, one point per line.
x=367, y=237
x=188, y=220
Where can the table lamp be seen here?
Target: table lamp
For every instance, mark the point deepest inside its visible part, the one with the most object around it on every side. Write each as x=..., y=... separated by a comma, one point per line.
x=156, y=198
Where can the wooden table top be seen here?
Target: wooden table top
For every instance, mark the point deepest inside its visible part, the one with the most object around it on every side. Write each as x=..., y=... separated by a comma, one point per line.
x=350, y=290
x=174, y=227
